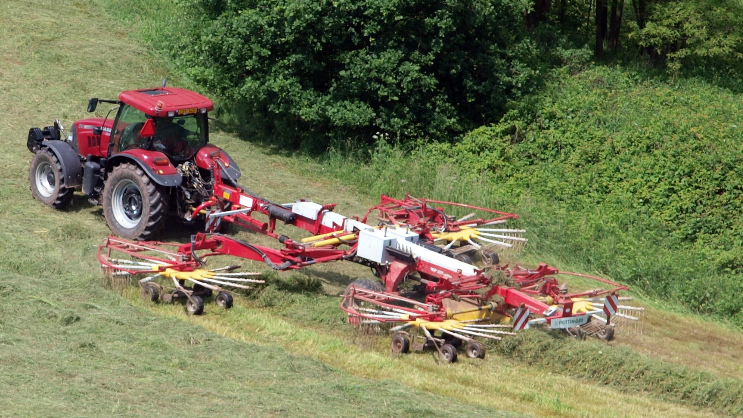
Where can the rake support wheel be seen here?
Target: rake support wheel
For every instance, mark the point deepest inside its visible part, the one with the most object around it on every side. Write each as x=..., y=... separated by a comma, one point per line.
x=606, y=333
x=490, y=258
x=448, y=353
x=224, y=300
x=475, y=350
x=194, y=305
x=150, y=293
x=400, y=343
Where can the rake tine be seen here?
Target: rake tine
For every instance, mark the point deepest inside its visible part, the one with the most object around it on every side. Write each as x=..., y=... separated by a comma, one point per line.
x=238, y=279
x=488, y=326
x=244, y=274
x=478, y=246
x=492, y=337
x=149, y=279
x=630, y=308
x=401, y=327
x=502, y=221
x=489, y=331
x=505, y=244
x=465, y=217
x=462, y=337
x=631, y=318
x=229, y=268
x=504, y=237
x=239, y=286
x=515, y=231
x=206, y=285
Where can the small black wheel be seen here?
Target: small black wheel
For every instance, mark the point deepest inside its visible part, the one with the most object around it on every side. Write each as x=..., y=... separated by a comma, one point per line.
x=490, y=258
x=150, y=293
x=576, y=332
x=47, y=180
x=195, y=305
x=475, y=350
x=224, y=300
x=448, y=353
x=400, y=343
x=463, y=258
x=606, y=333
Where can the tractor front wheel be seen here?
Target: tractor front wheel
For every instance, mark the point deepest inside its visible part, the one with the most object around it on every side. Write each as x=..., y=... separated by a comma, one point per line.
x=47, y=180
x=134, y=206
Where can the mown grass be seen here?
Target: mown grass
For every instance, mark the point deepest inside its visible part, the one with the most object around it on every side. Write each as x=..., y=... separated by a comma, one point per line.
x=72, y=346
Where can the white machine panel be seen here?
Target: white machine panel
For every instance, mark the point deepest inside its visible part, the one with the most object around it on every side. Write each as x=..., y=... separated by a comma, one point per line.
x=404, y=234
x=332, y=220
x=307, y=209
x=372, y=244
x=435, y=258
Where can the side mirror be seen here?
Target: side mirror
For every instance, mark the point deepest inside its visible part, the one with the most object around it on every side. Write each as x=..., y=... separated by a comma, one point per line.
x=148, y=130
x=92, y=104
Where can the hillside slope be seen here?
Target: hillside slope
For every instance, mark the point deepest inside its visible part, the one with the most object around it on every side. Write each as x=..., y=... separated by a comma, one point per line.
x=71, y=344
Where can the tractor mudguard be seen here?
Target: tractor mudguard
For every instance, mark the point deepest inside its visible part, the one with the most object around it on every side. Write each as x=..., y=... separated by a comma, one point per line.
x=205, y=159
x=164, y=175
x=72, y=169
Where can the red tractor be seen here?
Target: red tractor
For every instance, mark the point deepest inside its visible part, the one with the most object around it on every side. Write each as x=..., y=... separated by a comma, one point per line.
x=153, y=160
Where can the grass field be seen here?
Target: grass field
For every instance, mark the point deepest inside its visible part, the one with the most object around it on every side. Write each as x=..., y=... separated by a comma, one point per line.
x=72, y=344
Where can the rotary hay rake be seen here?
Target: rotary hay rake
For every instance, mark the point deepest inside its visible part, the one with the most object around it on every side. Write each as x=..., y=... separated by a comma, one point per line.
x=169, y=274
x=461, y=292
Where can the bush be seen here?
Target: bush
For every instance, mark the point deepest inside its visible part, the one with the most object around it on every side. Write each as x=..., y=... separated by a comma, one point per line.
x=408, y=68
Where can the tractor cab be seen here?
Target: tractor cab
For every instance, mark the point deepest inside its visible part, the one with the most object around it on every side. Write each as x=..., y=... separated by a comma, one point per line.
x=169, y=120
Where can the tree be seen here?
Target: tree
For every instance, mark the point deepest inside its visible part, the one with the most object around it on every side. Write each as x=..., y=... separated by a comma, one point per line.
x=432, y=68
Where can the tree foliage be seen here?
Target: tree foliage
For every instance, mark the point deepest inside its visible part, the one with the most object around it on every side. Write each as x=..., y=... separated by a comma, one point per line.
x=432, y=68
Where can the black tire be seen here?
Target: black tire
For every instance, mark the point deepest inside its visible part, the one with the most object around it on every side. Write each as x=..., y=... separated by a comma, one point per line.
x=400, y=343
x=448, y=353
x=606, y=333
x=195, y=305
x=47, y=180
x=463, y=258
x=475, y=350
x=134, y=206
x=150, y=293
x=224, y=300
x=490, y=258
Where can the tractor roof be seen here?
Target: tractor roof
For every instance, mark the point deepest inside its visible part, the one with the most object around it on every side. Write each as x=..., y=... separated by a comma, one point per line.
x=160, y=101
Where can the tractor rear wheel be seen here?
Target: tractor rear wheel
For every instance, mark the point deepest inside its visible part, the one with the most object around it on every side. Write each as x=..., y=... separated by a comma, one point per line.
x=47, y=180
x=134, y=206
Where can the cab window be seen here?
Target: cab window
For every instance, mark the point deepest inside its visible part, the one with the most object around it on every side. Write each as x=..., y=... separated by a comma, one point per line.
x=127, y=127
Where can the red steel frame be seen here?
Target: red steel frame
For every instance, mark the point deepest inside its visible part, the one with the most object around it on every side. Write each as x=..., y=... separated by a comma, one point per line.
x=440, y=282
